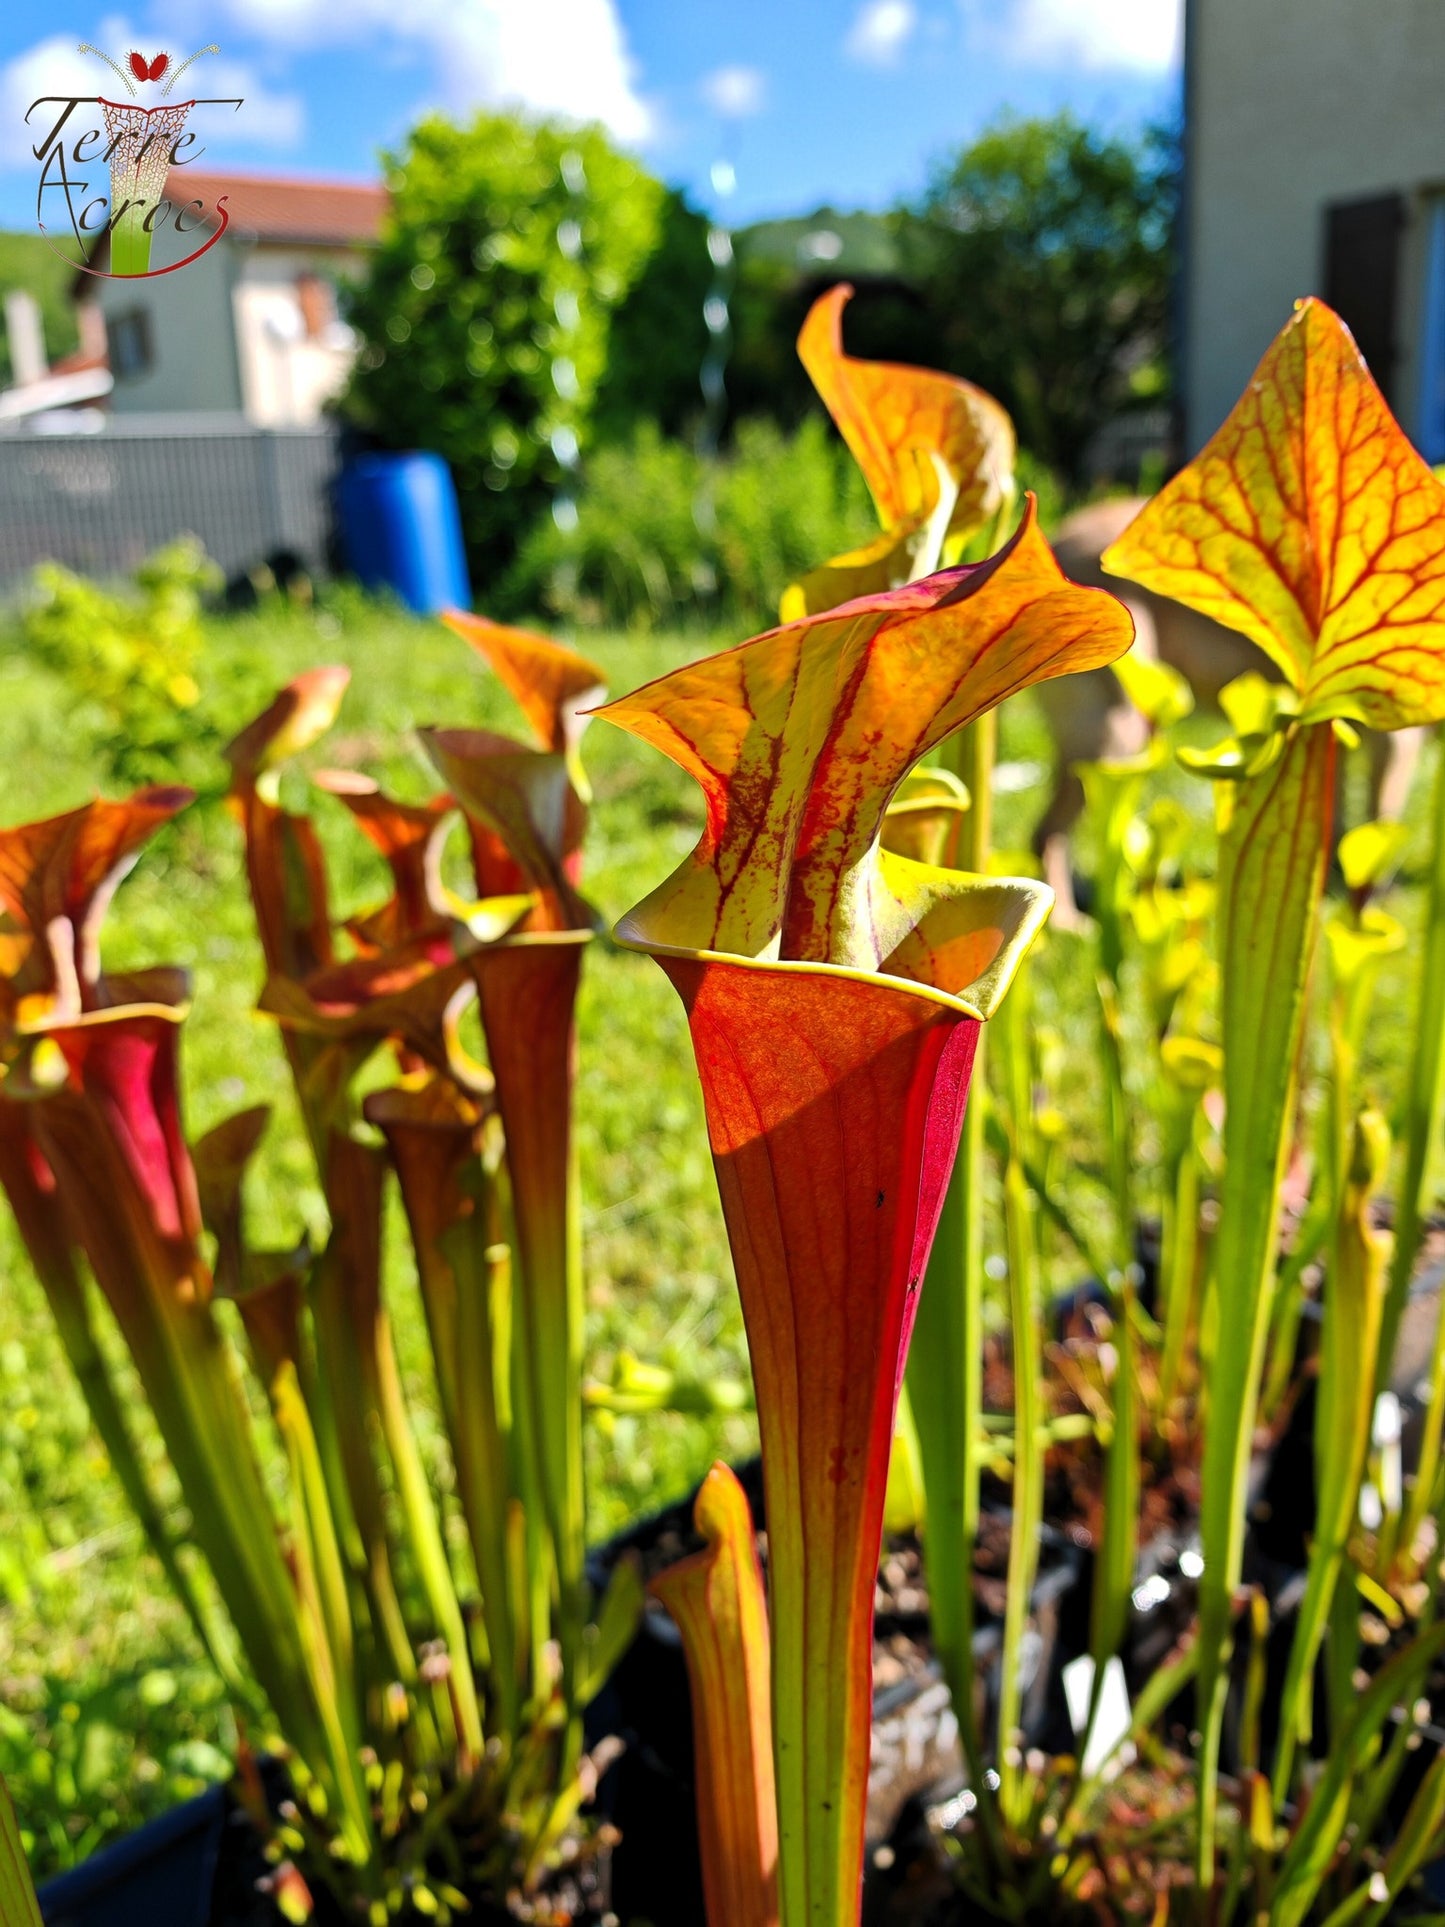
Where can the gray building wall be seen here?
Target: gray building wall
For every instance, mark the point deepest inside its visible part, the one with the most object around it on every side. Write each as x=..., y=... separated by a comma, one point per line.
x=192, y=335
x=1293, y=104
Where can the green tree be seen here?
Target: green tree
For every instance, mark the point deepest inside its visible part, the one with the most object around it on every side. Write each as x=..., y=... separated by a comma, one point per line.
x=659, y=336
x=1043, y=252
x=486, y=309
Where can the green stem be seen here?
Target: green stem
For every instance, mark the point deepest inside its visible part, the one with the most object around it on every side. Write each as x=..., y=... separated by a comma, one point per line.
x=1346, y=1399
x=971, y=755
x=423, y=1528
x=324, y=1617
x=1427, y=1472
x=483, y=1441
x=345, y=1316
x=39, y=1220
x=945, y=1387
x=1180, y=1262
x=1118, y=1549
x=527, y=990
x=1273, y=860
x=945, y=1363
x=1121, y=1180
x=1028, y=1482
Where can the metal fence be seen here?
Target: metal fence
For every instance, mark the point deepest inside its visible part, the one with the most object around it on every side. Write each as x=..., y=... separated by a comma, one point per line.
x=1129, y=446
x=100, y=502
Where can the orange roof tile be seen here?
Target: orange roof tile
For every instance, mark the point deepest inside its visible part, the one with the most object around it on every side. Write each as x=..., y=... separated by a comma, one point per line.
x=334, y=213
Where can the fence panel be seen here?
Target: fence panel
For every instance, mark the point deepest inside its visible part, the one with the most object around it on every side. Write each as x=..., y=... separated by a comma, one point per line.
x=100, y=502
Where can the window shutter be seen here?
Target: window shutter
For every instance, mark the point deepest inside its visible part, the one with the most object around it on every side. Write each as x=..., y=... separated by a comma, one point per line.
x=1362, y=274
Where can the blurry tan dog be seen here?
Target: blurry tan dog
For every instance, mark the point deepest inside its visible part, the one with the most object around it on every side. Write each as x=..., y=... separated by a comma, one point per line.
x=1090, y=717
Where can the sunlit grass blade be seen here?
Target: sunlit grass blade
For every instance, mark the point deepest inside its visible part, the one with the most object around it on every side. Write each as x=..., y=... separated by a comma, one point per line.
x=18, y=1905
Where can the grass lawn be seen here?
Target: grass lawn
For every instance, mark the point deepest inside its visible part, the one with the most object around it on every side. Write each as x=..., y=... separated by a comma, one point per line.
x=107, y=1712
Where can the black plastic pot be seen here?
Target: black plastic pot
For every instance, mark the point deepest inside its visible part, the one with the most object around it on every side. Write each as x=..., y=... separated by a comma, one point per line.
x=163, y=1873
x=200, y=1865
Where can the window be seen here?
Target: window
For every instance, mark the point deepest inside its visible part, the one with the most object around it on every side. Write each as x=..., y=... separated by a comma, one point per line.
x=129, y=335
x=1432, y=339
x=1362, y=277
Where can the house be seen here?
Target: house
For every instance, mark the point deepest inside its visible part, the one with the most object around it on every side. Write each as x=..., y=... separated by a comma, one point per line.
x=1314, y=164
x=252, y=328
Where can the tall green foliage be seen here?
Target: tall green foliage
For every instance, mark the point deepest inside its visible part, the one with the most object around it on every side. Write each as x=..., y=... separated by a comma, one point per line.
x=485, y=316
x=663, y=536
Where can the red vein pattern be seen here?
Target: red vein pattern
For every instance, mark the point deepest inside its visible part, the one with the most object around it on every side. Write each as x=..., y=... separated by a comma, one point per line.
x=800, y=737
x=1310, y=524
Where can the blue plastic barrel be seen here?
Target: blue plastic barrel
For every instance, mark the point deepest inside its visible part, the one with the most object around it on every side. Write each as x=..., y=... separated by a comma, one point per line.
x=400, y=529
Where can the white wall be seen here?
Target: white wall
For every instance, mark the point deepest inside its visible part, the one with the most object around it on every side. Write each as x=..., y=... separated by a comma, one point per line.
x=1293, y=104
x=287, y=377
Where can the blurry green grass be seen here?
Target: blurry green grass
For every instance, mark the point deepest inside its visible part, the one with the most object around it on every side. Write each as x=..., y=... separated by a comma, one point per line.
x=107, y=1713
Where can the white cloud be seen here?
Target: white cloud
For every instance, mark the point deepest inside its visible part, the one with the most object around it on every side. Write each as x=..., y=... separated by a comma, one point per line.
x=880, y=32
x=51, y=66
x=264, y=119
x=737, y=93
x=564, y=57
x=56, y=66
x=1134, y=36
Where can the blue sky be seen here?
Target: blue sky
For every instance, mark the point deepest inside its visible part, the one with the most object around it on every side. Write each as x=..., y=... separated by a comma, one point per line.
x=839, y=101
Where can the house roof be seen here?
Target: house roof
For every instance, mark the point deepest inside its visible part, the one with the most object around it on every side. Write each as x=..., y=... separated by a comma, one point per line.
x=273, y=208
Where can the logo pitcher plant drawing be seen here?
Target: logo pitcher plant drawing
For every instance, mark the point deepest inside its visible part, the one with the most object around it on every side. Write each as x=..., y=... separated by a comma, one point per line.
x=140, y=143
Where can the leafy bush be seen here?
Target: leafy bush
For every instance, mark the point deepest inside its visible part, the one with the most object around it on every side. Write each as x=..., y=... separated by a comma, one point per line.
x=485, y=314
x=130, y=659
x=663, y=537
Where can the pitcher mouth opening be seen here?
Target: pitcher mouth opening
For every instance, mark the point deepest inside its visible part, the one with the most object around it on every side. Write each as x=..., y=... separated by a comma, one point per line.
x=978, y=998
